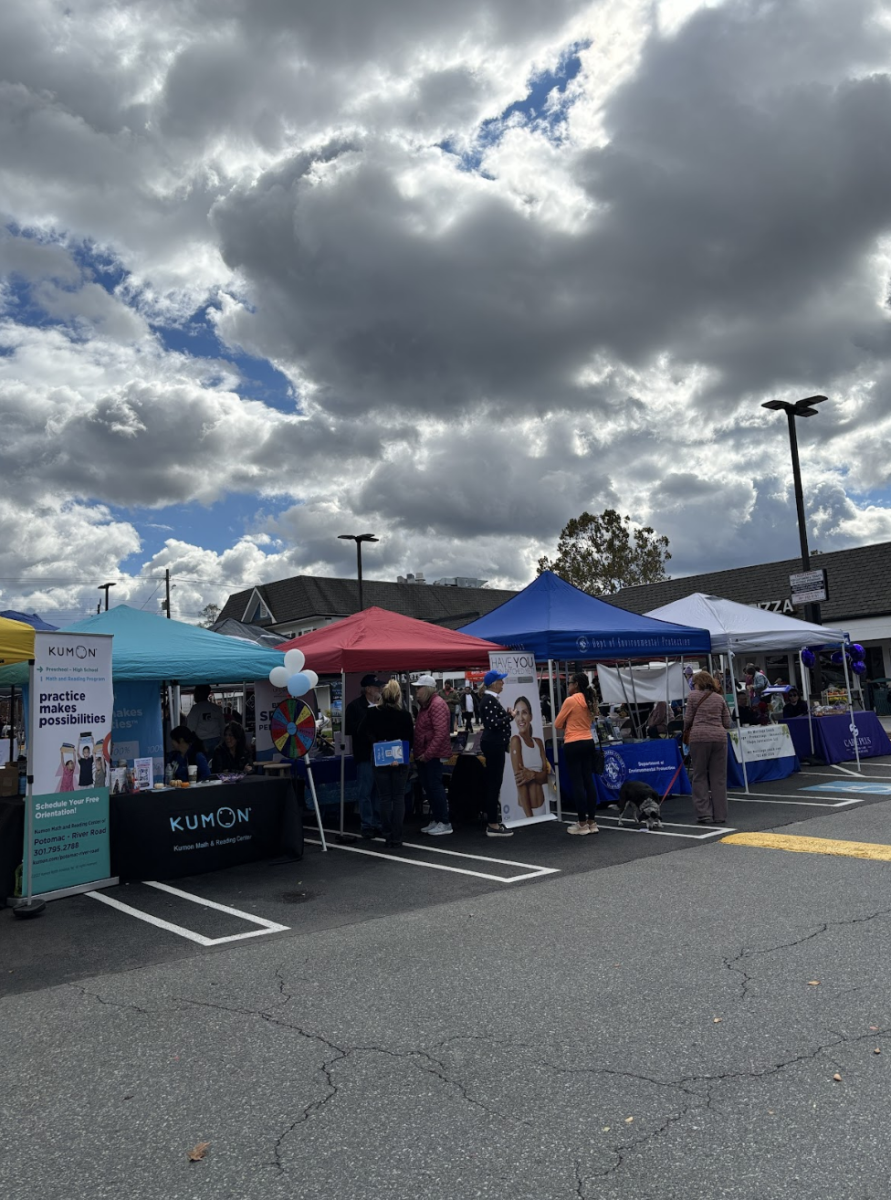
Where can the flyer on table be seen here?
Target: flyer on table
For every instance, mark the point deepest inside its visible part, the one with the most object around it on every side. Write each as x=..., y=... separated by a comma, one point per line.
x=72, y=706
x=526, y=791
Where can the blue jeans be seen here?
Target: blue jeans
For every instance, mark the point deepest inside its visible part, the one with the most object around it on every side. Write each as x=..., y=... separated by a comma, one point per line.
x=369, y=806
x=431, y=781
x=390, y=782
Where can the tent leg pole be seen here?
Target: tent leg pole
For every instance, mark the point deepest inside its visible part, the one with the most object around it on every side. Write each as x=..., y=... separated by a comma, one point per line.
x=28, y=906
x=806, y=686
x=11, y=720
x=554, y=739
x=637, y=725
x=851, y=711
x=742, y=752
x=315, y=804
x=342, y=747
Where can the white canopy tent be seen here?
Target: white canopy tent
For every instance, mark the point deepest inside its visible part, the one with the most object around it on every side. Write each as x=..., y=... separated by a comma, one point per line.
x=742, y=628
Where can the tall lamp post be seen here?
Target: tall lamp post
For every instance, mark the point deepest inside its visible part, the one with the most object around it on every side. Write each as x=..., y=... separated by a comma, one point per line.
x=103, y=587
x=358, y=538
x=801, y=408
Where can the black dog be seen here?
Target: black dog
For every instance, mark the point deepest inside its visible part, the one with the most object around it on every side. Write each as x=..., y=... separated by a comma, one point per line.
x=641, y=805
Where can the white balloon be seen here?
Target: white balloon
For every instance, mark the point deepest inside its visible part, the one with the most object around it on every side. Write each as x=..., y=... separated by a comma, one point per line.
x=279, y=677
x=312, y=677
x=294, y=660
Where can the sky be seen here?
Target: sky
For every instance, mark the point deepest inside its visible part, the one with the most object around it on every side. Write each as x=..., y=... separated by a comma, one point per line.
x=273, y=270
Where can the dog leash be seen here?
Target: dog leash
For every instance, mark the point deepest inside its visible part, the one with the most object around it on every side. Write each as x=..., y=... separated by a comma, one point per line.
x=671, y=785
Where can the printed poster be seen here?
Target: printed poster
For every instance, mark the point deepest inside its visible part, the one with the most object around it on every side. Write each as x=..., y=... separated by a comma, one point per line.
x=761, y=743
x=70, y=745
x=526, y=790
x=136, y=726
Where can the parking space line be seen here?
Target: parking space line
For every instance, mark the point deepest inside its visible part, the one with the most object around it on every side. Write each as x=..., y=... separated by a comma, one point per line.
x=712, y=831
x=434, y=849
x=181, y=931
x=531, y=873
x=830, y=775
x=781, y=799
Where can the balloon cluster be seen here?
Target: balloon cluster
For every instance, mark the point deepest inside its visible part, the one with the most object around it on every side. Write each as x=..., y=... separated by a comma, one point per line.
x=292, y=675
x=855, y=654
x=808, y=657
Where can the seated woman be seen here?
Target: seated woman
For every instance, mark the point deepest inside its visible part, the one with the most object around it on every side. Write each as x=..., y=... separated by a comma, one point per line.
x=189, y=753
x=657, y=721
x=231, y=756
x=794, y=706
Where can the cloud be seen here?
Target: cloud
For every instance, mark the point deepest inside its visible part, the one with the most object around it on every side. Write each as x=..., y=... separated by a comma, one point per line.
x=513, y=261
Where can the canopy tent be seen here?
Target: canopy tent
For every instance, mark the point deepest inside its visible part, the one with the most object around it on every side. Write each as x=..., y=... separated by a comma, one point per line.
x=16, y=646
x=378, y=639
x=554, y=620
x=31, y=619
x=739, y=627
x=148, y=647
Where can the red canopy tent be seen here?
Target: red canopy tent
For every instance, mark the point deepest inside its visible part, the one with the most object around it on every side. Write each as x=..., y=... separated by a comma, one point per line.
x=376, y=639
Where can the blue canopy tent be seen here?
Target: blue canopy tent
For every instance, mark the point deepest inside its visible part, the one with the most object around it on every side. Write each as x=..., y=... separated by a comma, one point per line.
x=31, y=619
x=555, y=621
x=558, y=622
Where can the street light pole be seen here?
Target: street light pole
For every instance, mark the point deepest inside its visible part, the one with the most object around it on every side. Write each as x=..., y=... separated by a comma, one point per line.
x=104, y=587
x=358, y=538
x=801, y=408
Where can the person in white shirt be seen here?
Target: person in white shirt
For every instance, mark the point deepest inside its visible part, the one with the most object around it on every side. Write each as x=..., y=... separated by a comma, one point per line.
x=205, y=719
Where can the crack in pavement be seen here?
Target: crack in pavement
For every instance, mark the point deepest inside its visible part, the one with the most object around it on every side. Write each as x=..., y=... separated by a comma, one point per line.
x=109, y=1003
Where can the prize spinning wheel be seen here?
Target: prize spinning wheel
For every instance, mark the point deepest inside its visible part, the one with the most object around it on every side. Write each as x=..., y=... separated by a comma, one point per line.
x=293, y=729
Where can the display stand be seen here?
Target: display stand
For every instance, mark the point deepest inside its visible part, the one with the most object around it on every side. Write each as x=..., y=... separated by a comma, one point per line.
x=293, y=730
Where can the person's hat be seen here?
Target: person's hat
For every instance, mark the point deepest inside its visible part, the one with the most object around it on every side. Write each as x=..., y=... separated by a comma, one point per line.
x=425, y=681
x=490, y=677
x=370, y=681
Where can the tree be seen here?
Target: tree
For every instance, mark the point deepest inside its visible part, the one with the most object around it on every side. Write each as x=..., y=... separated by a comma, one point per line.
x=605, y=553
x=209, y=614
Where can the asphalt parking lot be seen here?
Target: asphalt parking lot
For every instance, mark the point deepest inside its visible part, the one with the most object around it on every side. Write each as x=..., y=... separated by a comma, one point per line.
x=156, y=921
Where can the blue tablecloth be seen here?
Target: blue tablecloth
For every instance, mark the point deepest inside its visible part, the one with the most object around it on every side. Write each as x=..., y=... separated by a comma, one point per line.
x=834, y=739
x=654, y=761
x=759, y=772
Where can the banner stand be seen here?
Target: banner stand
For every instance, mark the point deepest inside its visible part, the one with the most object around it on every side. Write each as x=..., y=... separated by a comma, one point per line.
x=554, y=737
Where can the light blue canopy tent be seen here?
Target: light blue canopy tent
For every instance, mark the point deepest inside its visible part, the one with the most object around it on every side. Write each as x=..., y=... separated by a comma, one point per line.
x=151, y=648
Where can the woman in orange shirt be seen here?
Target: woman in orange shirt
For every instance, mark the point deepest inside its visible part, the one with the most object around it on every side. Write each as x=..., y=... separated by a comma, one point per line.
x=576, y=716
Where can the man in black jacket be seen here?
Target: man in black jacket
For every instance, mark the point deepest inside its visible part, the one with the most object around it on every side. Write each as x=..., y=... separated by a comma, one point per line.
x=369, y=806
x=494, y=744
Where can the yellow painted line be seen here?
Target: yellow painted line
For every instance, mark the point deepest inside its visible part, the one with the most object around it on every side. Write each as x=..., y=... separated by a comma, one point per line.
x=810, y=845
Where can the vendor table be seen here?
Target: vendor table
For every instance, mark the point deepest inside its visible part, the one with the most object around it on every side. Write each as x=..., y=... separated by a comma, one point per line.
x=188, y=831
x=654, y=761
x=834, y=739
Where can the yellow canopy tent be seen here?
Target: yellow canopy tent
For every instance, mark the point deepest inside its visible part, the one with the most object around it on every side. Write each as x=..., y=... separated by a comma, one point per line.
x=16, y=641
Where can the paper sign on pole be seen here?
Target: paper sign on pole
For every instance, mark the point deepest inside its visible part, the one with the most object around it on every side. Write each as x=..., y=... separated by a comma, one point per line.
x=71, y=704
x=525, y=792
x=761, y=743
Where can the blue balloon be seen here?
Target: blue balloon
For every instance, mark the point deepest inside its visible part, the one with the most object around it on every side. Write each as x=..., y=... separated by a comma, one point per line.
x=299, y=684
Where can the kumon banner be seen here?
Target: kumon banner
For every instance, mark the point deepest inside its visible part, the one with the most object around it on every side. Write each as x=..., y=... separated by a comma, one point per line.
x=71, y=710
x=525, y=792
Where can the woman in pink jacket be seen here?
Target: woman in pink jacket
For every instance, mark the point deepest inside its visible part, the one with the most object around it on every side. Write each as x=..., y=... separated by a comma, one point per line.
x=432, y=745
x=706, y=722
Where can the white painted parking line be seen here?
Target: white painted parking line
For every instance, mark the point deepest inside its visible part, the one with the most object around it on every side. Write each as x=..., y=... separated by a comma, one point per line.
x=832, y=775
x=530, y=872
x=761, y=799
x=711, y=831
x=159, y=923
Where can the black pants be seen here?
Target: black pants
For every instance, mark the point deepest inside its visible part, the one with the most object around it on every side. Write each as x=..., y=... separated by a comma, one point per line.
x=391, y=783
x=495, y=755
x=468, y=722
x=580, y=765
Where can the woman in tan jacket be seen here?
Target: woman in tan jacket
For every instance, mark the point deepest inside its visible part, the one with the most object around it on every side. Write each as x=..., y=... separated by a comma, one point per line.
x=706, y=722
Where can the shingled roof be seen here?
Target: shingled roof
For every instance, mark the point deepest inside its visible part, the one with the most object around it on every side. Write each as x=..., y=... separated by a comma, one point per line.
x=305, y=596
x=859, y=582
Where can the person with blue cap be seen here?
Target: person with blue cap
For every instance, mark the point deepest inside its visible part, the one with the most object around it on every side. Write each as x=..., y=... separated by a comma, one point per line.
x=495, y=745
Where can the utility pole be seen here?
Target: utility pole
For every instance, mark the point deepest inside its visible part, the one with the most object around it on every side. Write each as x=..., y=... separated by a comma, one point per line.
x=167, y=584
x=103, y=587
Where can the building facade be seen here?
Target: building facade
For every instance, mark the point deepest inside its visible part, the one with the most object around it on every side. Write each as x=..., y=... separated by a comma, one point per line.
x=299, y=605
x=859, y=599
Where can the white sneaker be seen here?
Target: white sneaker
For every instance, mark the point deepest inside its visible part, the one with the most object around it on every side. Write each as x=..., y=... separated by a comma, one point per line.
x=579, y=828
x=429, y=828
x=441, y=828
